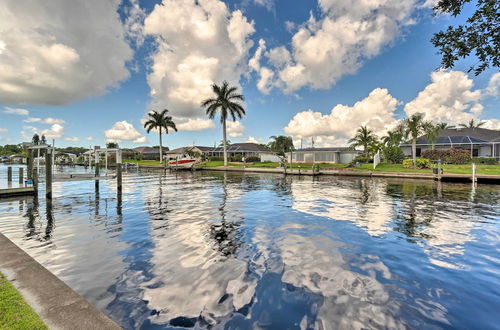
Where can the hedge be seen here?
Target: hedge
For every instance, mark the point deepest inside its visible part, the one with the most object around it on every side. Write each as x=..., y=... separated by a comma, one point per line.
x=421, y=163
x=448, y=156
x=485, y=160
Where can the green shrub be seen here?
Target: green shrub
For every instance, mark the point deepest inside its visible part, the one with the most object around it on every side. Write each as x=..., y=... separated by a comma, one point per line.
x=362, y=158
x=394, y=155
x=485, y=160
x=421, y=163
x=216, y=159
x=448, y=156
x=252, y=159
x=236, y=158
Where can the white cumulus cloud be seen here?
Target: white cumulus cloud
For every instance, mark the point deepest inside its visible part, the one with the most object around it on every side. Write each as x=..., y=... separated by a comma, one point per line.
x=198, y=43
x=450, y=98
x=54, y=132
x=3, y=130
x=326, y=48
x=195, y=124
x=234, y=128
x=58, y=51
x=48, y=120
x=123, y=131
x=19, y=112
x=72, y=139
x=377, y=111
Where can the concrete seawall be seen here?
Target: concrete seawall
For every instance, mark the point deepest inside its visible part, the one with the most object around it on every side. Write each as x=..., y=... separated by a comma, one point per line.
x=481, y=178
x=57, y=304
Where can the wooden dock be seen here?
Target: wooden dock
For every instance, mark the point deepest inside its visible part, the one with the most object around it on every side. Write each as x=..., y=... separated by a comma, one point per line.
x=20, y=191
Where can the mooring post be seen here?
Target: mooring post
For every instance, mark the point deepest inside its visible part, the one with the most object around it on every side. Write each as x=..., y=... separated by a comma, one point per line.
x=48, y=173
x=29, y=175
x=34, y=177
x=21, y=175
x=439, y=170
x=9, y=174
x=474, y=179
x=119, y=172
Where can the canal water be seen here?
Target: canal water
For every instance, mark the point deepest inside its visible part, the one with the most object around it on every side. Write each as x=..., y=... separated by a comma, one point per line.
x=238, y=251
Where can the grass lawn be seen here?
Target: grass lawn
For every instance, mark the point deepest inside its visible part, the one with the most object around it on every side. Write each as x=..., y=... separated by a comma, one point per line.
x=15, y=313
x=447, y=168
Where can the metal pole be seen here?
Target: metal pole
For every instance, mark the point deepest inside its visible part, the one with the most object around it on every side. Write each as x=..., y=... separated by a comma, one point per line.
x=38, y=161
x=48, y=173
x=97, y=164
x=21, y=175
x=9, y=174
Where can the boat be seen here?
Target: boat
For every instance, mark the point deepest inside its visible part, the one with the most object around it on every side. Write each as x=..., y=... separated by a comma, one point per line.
x=184, y=162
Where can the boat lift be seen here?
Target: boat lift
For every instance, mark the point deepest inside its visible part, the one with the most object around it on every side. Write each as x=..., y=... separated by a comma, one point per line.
x=34, y=172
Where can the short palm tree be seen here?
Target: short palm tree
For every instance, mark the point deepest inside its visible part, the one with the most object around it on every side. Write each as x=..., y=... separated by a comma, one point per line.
x=393, y=138
x=414, y=126
x=473, y=124
x=226, y=102
x=364, y=138
x=281, y=144
x=432, y=133
x=159, y=121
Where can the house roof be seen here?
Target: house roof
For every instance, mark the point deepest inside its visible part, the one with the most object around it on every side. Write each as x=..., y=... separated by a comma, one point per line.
x=244, y=147
x=183, y=149
x=325, y=149
x=463, y=136
x=147, y=150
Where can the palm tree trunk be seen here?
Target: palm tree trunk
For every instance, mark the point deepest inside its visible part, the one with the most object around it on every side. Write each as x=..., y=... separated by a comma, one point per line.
x=224, y=140
x=161, y=149
x=414, y=151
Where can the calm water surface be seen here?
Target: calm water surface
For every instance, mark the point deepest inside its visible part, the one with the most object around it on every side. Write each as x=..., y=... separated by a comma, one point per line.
x=264, y=251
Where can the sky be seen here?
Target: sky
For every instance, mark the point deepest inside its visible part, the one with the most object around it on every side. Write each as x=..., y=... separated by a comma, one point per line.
x=87, y=72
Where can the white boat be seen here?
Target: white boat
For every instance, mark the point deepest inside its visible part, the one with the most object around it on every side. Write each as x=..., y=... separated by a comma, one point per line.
x=184, y=162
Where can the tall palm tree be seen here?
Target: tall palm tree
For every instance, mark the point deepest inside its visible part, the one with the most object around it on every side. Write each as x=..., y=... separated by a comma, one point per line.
x=473, y=124
x=160, y=121
x=281, y=144
x=432, y=133
x=364, y=138
x=226, y=102
x=414, y=126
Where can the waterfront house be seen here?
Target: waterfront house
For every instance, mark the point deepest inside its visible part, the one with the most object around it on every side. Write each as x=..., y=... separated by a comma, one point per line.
x=334, y=155
x=246, y=150
x=481, y=142
x=174, y=153
x=233, y=150
x=149, y=153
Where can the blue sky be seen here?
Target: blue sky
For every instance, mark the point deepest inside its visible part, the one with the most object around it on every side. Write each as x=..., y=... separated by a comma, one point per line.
x=87, y=74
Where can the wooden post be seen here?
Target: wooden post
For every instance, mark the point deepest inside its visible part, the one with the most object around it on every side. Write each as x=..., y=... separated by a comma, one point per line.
x=48, y=173
x=21, y=175
x=119, y=172
x=9, y=174
x=439, y=169
x=29, y=175
x=34, y=177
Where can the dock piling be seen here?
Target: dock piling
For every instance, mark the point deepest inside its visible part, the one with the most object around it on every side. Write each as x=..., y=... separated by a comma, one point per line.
x=21, y=175
x=34, y=177
x=29, y=170
x=119, y=172
x=9, y=174
x=48, y=173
